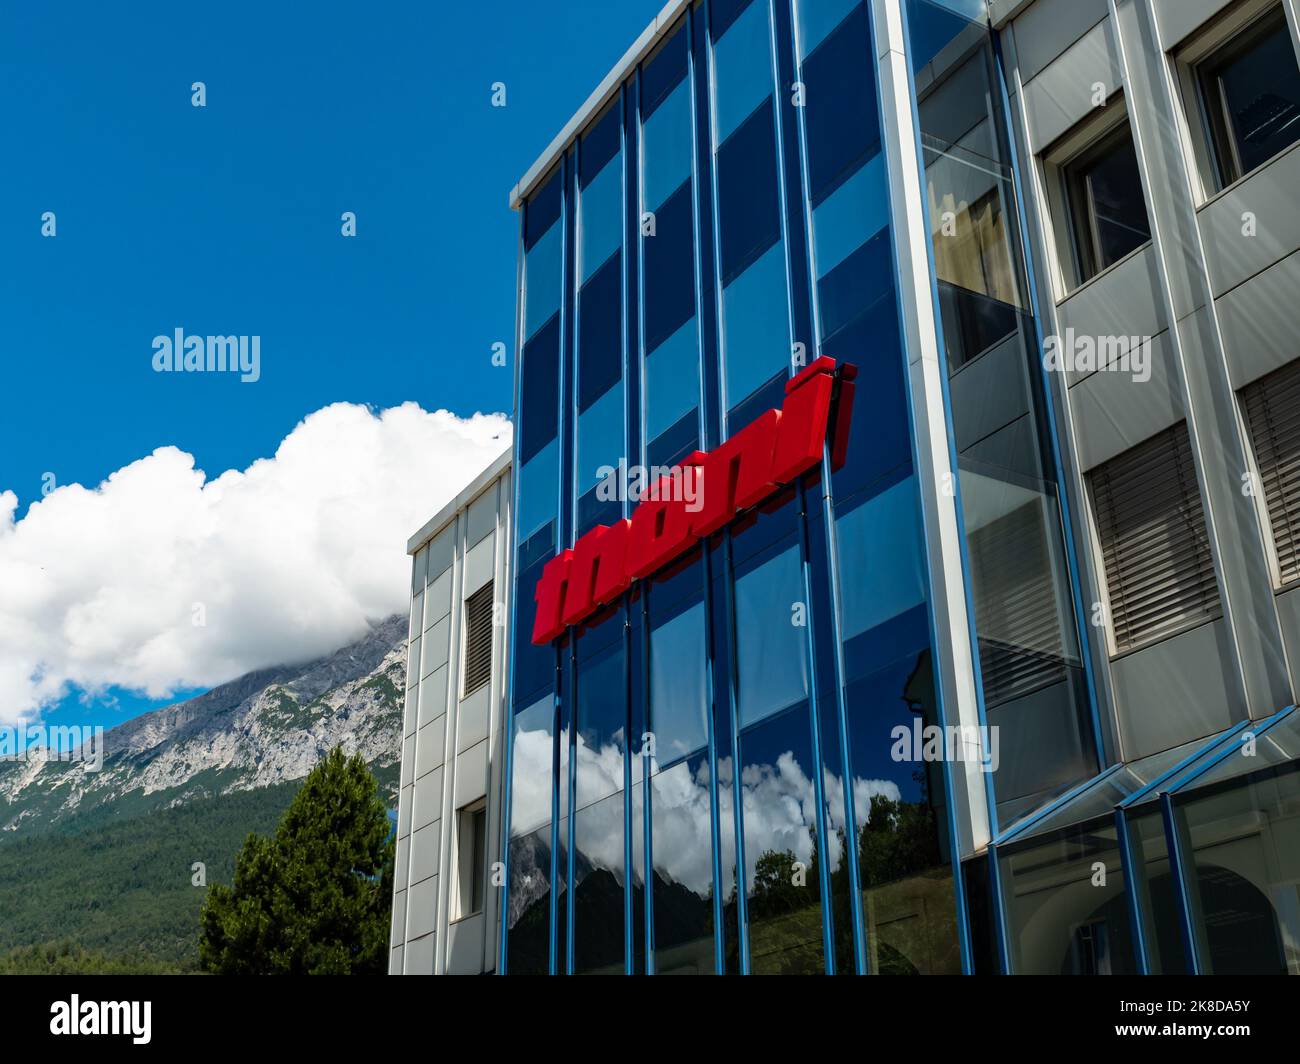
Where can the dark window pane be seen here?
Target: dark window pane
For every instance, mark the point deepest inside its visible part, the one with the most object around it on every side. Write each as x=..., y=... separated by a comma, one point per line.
x=841, y=121
x=815, y=19
x=600, y=143
x=600, y=347
x=852, y=286
x=663, y=70
x=543, y=210
x=1109, y=210
x=1252, y=96
x=669, y=281
x=748, y=200
x=539, y=390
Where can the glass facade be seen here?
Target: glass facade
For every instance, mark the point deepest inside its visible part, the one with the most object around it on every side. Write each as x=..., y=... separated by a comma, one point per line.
x=699, y=782
x=731, y=766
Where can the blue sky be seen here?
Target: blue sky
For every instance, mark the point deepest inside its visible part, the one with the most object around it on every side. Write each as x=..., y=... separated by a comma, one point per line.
x=226, y=219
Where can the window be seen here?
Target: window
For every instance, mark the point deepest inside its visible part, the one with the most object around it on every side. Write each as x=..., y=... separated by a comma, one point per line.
x=471, y=858
x=478, y=639
x=1248, y=91
x=1154, y=546
x=771, y=640
x=1107, y=211
x=1272, y=409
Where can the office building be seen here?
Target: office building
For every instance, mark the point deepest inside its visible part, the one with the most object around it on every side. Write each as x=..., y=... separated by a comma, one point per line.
x=956, y=624
x=446, y=913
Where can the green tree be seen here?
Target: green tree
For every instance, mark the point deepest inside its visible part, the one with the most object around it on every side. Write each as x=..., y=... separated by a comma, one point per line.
x=313, y=899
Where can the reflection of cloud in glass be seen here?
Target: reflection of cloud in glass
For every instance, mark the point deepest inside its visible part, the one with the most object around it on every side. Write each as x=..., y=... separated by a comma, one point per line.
x=779, y=805
x=530, y=786
x=682, y=850
x=600, y=769
x=598, y=838
x=863, y=792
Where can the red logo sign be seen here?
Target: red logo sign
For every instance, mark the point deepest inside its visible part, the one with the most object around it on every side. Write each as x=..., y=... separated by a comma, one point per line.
x=760, y=459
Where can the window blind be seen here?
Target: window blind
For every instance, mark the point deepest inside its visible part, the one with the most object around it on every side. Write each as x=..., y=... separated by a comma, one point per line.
x=1159, y=571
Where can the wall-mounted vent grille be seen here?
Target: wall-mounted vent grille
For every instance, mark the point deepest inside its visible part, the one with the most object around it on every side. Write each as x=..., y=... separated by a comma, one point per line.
x=478, y=639
x=1272, y=408
x=1159, y=572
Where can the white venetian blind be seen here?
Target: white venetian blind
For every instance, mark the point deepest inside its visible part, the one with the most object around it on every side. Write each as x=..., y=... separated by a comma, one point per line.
x=1272, y=409
x=1159, y=571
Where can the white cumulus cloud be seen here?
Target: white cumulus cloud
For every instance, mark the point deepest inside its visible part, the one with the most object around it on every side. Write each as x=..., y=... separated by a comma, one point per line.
x=283, y=561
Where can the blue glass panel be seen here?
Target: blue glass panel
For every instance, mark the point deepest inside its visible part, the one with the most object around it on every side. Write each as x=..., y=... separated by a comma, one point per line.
x=600, y=438
x=675, y=443
x=909, y=899
x=840, y=115
x=539, y=390
x=879, y=439
x=665, y=67
x=756, y=325
x=532, y=757
x=782, y=850
x=666, y=147
x=932, y=24
x=814, y=20
x=879, y=544
x=600, y=333
x=678, y=695
x=596, y=507
x=598, y=888
x=851, y=215
x=672, y=380
x=749, y=205
x=600, y=218
x=600, y=143
x=669, y=277
x=539, y=485
x=543, y=209
x=602, y=725
x=852, y=286
x=742, y=59
x=682, y=855
x=542, y=277
x=534, y=666
x=771, y=637
x=528, y=917
x=766, y=397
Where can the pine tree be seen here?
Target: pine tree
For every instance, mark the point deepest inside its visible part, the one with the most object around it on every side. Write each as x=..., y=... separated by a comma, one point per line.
x=314, y=899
